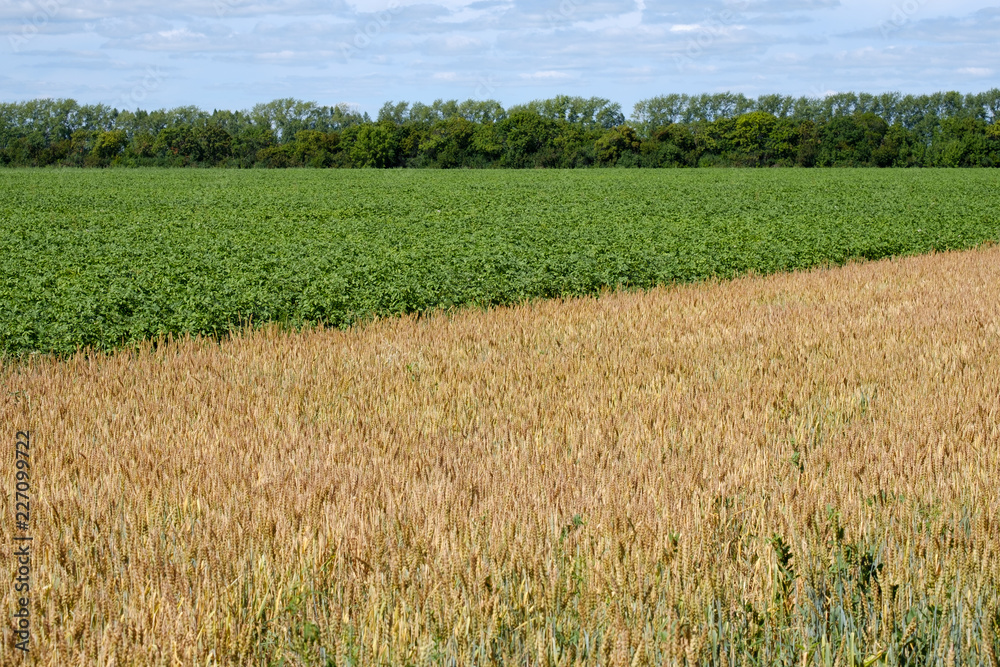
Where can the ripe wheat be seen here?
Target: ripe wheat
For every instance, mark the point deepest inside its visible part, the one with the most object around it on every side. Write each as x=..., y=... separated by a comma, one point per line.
x=799, y=468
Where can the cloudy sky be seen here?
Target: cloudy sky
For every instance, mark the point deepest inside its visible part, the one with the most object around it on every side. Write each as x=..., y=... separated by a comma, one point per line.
x=234, y=53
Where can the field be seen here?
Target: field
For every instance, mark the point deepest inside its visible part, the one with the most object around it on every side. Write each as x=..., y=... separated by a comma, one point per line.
x=104, y=258
x=794, y=469
x=788, y=467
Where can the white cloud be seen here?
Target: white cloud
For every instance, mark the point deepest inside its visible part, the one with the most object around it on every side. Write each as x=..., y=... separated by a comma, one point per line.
x=548, y=75
x=976, y=71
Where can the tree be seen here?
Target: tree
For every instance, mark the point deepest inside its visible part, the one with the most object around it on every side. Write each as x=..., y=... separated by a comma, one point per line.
x=25, y=151
x=449, y=143
x=481, y=111
x=886, y=107
x=760, y=138
x=845, y=129
x=572, y=145
x=249, y=142
x=419, y=113
x=144, y=122
x=806, y=109
x=188, y=116
x=671, y=146
x=776, y=105
x=276, y=157
x=81, y=144
x=375, y=145
x=109, y=145
x=850, y=141
x=963, y=142
x=615, y=143
x=396, y=113
x=487, y=141
x=894, y=149
x=658, y=112
x=990, y=102
x=179, y=145
x=216, y=144
x=523, y=135
x=839, y=105
x=285, y=117
x=142, y=145
x=808, y=142
x=315, y=148
x=610, y=116
x=590, y=113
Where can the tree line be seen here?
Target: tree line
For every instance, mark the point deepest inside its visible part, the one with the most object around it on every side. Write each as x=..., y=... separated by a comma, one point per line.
x=843, y=130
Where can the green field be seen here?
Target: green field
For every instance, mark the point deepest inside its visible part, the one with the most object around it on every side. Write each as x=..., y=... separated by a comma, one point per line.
x=106, y=258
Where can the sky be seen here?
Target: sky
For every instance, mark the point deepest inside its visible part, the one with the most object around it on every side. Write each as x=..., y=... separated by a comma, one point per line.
x=232, y=54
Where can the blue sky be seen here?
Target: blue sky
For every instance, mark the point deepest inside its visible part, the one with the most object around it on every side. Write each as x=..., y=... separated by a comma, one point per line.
x=234, y=53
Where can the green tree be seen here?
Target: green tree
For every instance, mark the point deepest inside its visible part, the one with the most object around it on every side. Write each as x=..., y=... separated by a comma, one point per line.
x=615, y=143
x=760, y=139
x=142, y=145
x=891, y=152
x=850, y=141
x=277, y=157
x=776, y=105
x=658, y=112
x=963, y=142
x=109, y=145
x=396, y=113
x=808, y=144
x=449, y=143
x=285, y=117
x=81, y=146
x=315, y=148
x=248, y=143
x=178, y=145
x=481, y=111
x=216, y=144
x=524, y=135
x=26, y=151
x=714, y=140
x=487, y=143
x=375, y=145
x=573, y=145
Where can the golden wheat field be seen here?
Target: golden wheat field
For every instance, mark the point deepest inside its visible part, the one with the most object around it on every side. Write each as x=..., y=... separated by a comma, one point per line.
x=797, y=469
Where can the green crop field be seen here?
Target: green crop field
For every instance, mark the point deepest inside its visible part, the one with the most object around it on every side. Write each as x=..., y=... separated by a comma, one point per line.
x=106, y=258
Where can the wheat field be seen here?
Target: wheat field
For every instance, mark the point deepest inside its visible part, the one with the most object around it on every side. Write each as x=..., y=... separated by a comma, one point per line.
x=796, y=469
